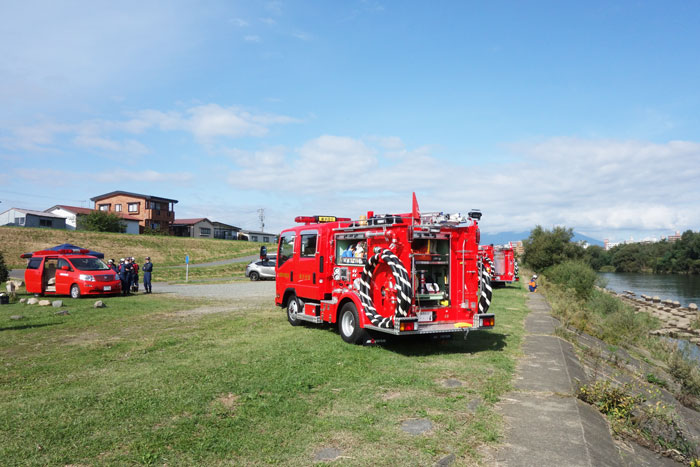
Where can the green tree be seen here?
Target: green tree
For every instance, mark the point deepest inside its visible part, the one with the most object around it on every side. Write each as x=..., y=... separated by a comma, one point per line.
x=596, y=257
x=4, y=274
x=101, y=221
x=544, y=248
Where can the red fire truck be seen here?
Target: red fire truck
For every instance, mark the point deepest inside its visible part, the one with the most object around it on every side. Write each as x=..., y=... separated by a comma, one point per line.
x=502, y=263
x=399, y=274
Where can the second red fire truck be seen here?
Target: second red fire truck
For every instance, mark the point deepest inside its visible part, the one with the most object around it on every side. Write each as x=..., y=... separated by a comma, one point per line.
x=502, y=263
x=399, y=274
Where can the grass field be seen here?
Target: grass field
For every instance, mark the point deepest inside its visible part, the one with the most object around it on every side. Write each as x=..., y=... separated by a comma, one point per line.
x=163, y=251
x=233, y=271
x=160, y=380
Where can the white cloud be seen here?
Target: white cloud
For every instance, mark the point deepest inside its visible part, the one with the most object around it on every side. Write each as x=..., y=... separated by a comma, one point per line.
x=252, y=38
x=302, y=36
x=596, y=186
x=241, y=23
x=205, y=122
x=142, y=176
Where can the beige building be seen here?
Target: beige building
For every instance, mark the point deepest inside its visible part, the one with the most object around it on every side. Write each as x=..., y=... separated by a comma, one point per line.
x=198, y=228
x=152, y=212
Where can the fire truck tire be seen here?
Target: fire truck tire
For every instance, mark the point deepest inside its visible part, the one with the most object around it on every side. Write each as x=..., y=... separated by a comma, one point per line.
x=254, y=276
x=349, y=325
x=294, y=308
x=74, y=291
x=486, y=291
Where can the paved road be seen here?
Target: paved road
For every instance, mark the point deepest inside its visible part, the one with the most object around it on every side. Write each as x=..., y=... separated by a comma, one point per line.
x=546, y=424
x=264, y=290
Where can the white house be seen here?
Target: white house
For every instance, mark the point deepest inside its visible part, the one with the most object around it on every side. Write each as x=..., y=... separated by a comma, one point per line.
x=71, y=214
x=28, y=218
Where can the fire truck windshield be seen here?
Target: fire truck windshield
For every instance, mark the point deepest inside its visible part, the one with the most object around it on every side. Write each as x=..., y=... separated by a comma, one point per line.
x=89, y=264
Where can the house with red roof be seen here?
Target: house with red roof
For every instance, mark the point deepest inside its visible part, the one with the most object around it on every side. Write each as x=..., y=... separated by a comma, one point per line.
x=71, y=214
x=199, y=228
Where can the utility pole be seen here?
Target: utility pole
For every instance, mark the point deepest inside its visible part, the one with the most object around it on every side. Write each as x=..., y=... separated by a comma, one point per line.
x=261, y=215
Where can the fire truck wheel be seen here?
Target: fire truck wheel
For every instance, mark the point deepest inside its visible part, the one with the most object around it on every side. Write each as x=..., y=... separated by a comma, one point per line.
x=294, y=307
x=254, y=276
x=349, y=325
x=74, y=291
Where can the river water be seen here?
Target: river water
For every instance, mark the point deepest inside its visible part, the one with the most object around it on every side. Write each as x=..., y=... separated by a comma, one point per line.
x=685, y=289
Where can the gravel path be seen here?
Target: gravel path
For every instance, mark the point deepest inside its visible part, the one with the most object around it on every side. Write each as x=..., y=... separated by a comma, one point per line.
x=264, y=290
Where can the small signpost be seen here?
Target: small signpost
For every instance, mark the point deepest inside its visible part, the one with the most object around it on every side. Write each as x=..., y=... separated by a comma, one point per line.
x=187, y=267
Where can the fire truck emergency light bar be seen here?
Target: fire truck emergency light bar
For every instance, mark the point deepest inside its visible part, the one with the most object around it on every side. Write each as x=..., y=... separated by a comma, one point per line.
x=319, y=219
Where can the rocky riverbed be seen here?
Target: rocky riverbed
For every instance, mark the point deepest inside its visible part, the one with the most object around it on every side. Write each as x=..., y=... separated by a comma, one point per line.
x=677, y=321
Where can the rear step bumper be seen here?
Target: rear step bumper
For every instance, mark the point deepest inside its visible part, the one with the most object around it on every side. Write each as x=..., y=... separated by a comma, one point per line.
x=437, y=328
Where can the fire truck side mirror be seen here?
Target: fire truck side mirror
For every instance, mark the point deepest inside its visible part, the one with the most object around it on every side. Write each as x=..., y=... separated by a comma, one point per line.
x=475, y=214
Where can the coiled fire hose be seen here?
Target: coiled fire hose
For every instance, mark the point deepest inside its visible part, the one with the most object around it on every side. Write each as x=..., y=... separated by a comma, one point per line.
x=517, y=270
x=486, y=290
x=489, y=266
x=403, y=288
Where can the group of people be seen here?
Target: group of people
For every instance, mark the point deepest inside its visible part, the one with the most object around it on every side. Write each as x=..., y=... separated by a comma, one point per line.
x=128, y=272
x=357, y=250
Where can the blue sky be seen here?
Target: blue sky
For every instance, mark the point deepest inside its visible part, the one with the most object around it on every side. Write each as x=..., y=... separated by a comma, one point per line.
x=554, y=113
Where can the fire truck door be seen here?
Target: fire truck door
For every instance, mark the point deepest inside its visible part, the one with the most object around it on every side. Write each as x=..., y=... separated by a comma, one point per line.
x=63, y=277
x=32, y=276
x=308, y=266
x=285, y=261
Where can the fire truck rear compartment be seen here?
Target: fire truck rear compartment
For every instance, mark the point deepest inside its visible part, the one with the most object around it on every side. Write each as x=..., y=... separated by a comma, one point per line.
x=431, y=273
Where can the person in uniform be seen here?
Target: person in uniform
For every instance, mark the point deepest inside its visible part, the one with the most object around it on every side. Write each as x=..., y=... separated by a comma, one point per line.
x=147, y=268
x=123, y=276
x=533, y=285
x=135, y=275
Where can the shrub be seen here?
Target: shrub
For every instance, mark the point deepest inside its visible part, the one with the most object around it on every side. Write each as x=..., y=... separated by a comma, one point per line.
x=685, y=372
x=101, y=221
x=3, y=269
x=574, y=275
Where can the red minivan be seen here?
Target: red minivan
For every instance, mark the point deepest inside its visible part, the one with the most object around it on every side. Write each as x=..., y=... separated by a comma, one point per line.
x=69, y=272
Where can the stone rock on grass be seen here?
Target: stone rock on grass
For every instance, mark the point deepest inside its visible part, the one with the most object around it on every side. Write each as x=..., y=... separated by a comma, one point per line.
x=99, y=304
x=692, y=307
x=16, y=317
x=57, y=303
x=447, y=460
x=416, y=426
x=32, y=301
x=62, y=312
x=452, y=383
x=23, y=300
x=18, y=283
x=327, y=455
x=44, y=303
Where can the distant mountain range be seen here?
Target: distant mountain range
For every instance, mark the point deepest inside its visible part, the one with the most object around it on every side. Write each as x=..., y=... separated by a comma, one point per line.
x=505, y=237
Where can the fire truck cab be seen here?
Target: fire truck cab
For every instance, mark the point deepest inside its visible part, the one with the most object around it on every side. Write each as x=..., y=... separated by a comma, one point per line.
x=502, y=262
x=397, y=273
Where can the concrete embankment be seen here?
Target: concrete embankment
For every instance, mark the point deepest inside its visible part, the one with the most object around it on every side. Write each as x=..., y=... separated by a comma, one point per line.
x=546, y=423
x=677, y=321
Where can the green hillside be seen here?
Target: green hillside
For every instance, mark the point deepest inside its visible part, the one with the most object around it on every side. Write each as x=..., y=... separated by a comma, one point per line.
x=163, y=251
